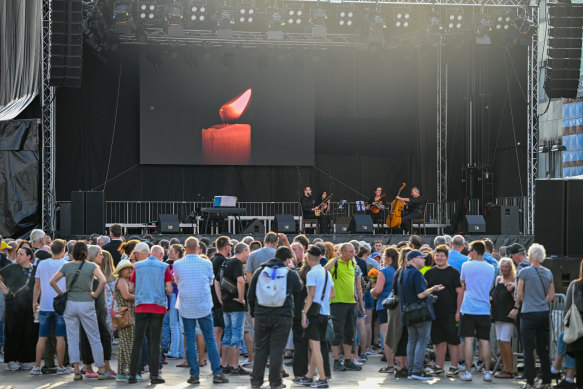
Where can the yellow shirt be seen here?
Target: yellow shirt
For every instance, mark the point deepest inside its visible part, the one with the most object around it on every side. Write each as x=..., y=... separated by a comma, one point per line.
x=344, y=277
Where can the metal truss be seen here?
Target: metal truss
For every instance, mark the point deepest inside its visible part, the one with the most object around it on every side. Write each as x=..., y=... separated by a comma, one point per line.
x=47, y=172
x=441, y=134
x=532, y=141
x=456, y=3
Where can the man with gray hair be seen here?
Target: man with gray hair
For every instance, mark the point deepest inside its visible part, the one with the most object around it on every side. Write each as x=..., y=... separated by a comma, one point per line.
x=439, y=240
x=103, y=240
x=456, y=258
x=37, y=241
x=142, y=251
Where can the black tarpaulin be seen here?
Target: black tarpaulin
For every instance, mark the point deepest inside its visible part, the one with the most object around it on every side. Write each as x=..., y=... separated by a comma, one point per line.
x=19, y=176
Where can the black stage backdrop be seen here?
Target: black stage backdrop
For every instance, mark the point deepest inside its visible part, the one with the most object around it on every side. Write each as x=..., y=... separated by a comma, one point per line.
x=375, y=120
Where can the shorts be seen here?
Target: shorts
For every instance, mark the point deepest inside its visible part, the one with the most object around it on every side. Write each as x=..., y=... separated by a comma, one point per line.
x=475, y=326
x=561, y=350
x=218, y=320
x=504, y=330
x=233, y=334
x=248, y=326
x=344, y=321
x=45, y=328
x=369, y=302
x=444, y=329
x=383, y=316
x=317, y=327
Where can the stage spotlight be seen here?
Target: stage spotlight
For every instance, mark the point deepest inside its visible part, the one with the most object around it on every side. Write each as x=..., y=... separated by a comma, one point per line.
x=225, y=21
x=318, y=19
x=294, y=16
x=376, y=27
x=148, y=11
x=503, y=22
x=346, y=17
x=275, y=25
x=401, y=17
x=175, y=18
x=483, y=30
x=455, y=19
x=121, y=17
x=246, y=12
x=197, y=12
x=434, y=24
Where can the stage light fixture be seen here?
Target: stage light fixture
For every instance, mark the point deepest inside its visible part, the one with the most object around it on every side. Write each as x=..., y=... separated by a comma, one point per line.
x=318, y=17
x=275, y=25
x=225, y=19
x=503, y=22
x=294, y=15
x=434, y=25
x=346, y=17
x=174, y=16
x=401, y=17
x=198, y=11
x=455, y=19
x=483, y=30
x=121, y=11
x=376, y=26
x=246, y=12
x=147, y=11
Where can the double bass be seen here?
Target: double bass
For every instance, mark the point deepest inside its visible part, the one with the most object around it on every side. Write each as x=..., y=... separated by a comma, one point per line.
x=397, y=206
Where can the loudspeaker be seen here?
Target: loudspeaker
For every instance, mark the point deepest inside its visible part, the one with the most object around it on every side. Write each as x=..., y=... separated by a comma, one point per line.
x=474, y=224
x=284, y=223
x=549, y=219
x=341, y=225
x=168, y=224
x=256, y=227
x=360, y=224
x=77, y=213
x=95, y=212
x=564, y=271
x=503, y=220
x=573, y=216
x=565, y=23
x=65, y=220
x=66, y=43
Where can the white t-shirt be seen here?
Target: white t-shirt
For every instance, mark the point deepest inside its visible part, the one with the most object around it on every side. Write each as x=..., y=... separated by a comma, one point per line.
x=478, y=276
x=45, y=271
x=315, y=277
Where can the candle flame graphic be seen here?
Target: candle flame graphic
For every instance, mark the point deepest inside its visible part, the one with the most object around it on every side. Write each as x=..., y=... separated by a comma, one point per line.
x=235, y=108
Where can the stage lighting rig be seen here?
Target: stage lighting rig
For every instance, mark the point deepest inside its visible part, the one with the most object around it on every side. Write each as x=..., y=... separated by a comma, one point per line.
x=434, y=23
x=197, y=12
x=483, y=30
x=225, y=19
x=503, y=22
x=121, y=17
x=295, y=16
x=247, y=12
x=175, y=18
x=275, y=24
x=149, y=12
x=346, y=17
x=376, y=26
x=455, y=19
x=401, y=17
x=318, y=20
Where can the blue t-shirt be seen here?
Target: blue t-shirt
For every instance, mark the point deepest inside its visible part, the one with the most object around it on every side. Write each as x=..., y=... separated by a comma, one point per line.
x=478, y=276
x=456, y=259
x=412, y=283
x=389, y=273
x=315, y=277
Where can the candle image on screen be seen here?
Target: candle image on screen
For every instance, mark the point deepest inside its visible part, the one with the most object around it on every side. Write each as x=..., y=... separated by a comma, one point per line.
x=229, y=144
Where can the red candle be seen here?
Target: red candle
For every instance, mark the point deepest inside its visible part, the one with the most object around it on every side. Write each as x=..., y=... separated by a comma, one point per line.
x=227, y=144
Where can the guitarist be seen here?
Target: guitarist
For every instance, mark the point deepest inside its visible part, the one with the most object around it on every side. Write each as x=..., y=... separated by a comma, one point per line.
x=377, y=201
x=415, y=208
x=309, y=206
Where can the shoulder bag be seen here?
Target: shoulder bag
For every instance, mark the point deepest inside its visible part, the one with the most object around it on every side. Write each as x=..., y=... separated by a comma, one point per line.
x=315, y=307
x=122, y=316
x=415, y=313
x=60, y=301
x=226, y=284
x=392, y=301
x=573, y=324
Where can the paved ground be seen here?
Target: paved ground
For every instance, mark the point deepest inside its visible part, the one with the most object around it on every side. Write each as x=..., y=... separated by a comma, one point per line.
x=176, y=378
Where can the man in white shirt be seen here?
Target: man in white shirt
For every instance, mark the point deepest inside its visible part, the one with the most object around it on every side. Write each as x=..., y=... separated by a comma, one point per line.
x=193, y=276
x=45, y=271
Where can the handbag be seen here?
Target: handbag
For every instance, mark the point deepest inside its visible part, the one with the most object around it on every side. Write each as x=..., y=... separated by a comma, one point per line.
x=392, y=301
x=315, y=307
x=60, y=301
x=122, y=316
x=226, y=284
x=416, y=312
x=572, y=322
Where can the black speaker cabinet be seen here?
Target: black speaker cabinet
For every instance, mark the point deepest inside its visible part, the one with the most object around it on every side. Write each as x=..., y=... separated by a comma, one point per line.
x=255, y=227
x=474, y=224
x=284, y=223
x=95, y=212
x=77, y=213
x=503, y=220
x=341, y=225
x=65, y=220
x=361, y=224
x=574, y=217
x=549, y=215
x=168, y=224
x=66, y=43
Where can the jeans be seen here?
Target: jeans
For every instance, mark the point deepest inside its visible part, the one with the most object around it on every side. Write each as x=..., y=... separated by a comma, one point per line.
x=562, y=350
x=233, y=334
x=534, y=328
x=301, y=347
x=147, y=325
x=165, y=339
x=418, y=339
x=271, y=334
x=176, y=340
x=207, y=327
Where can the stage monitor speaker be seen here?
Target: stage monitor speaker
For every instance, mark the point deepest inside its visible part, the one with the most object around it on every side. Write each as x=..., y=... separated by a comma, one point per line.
x=77, y=213
x=66, y=43
x=95, y=212
x=474, y=224
x=573, y=218
x=284, y=223
x=360, y=224
x=65, y=220
x=549, y=218
x=503, y=220
x=562, y=68
x=256, y=227
x=341, y=225
x=168, y=224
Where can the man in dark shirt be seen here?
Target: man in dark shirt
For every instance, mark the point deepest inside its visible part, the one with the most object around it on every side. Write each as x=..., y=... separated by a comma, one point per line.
x=223, y=247
x=113, y=246
x=308, y=210
x=415, y=208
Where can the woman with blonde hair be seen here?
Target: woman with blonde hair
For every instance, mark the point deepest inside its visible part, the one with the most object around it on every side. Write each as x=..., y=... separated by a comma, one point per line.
x=502, y=302
x=107, y=268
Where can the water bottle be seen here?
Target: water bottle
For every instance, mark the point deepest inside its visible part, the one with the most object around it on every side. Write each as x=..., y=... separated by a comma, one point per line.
x=37, y=315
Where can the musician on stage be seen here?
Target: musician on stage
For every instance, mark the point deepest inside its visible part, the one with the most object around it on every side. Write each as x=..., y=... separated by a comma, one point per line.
x=377, y=201
x=414, y=210
x=310, y=206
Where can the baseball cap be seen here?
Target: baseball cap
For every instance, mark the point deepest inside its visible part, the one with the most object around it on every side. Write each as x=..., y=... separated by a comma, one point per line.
x=375, y=255
x=516, y=248
x=4, y=246
x=414, y=254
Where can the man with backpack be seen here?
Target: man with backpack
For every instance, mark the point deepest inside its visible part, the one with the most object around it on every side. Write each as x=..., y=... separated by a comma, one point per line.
x=271, y=304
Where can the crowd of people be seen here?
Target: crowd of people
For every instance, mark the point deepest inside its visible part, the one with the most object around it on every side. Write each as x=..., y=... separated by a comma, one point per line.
x=207, y=302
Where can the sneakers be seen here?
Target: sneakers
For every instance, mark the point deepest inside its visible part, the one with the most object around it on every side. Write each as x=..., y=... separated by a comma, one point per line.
x=193, y=379
x=157, y=380
x=239, y=371
x=356, y=362
x=349, y=365
x=77, y=377
x=403, y=373
x=487, y=375
x=26, y=366
x=35, y=371
x=122, y=378
x=320, y=384
x=421, y=376
x=220, y=379
x=65, y=370
x=339, y=366
x=304, y=381
x=105, y=376
x=14, y=366
x=247, y=363
x=564, y=384
x=438, y=370
x=452, y=372
x=467, y=376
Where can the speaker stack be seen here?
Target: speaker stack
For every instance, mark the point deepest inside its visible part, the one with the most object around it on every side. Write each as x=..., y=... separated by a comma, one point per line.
x=361, y=224
x=565, y=23
x=66, y=43
x=87, y=212
x=284, y=223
